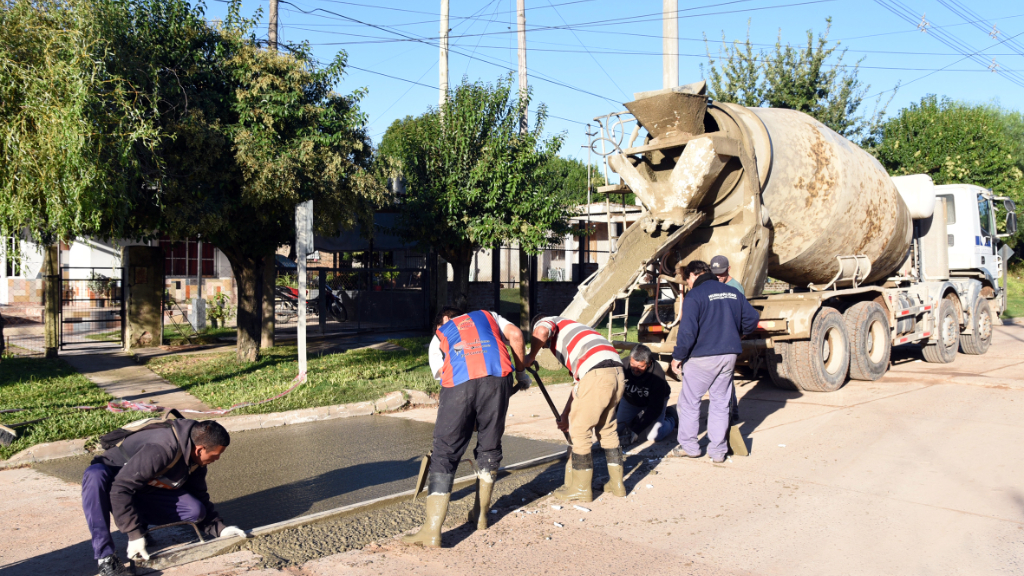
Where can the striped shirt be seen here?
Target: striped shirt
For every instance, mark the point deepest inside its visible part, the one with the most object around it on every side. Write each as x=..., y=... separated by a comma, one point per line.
x=577, y=346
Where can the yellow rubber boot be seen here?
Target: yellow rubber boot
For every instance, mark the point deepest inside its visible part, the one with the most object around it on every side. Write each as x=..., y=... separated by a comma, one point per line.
x=614, y=486
x=578, y=488
x=484, y=486
x=430, y=534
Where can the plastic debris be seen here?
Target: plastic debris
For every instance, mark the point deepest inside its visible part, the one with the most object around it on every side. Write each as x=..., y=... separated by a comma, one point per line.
x=558, y=525
x=782, y=445
x=580, y=508
x=650, y=486
x=556, y=507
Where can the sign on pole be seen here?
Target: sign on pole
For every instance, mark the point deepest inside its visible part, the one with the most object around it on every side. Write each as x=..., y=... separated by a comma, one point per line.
x=303, y=247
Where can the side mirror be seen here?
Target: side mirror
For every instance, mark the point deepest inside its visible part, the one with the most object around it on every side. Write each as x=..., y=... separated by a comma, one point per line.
x=1011, y=222
x=1009, y=205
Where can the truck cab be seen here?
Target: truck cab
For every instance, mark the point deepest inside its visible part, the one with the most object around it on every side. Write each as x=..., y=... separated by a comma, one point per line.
x=971, y=217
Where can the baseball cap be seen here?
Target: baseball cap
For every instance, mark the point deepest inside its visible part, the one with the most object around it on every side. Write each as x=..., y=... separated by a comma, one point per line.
x=719, y=264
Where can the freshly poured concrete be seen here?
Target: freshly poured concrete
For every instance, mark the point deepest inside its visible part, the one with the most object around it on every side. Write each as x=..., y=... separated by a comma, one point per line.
x=275, y=474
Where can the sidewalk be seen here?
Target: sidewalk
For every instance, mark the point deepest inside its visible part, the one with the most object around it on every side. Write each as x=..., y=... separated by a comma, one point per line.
x=119, y=375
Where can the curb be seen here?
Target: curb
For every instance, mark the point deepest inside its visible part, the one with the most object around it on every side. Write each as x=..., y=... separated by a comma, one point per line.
x=390, y=402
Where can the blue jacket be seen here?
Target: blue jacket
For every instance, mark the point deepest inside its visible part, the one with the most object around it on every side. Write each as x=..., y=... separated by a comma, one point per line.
x=715, y=316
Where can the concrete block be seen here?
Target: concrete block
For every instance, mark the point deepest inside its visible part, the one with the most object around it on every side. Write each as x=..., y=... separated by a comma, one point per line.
x=274, y=420
x=395, y=400
x=420, y=398
x=240, y=423
x=354, y=409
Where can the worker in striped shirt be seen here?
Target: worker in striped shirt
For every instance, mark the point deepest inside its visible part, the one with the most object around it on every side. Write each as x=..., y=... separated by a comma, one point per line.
x=597, y=369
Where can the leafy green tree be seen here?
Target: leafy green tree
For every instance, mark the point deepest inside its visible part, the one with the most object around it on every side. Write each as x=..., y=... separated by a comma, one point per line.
x=812, y=79
x=957, y=143
x=246, y=134
x=67, y=127
x=472, y=180
x=567, y=177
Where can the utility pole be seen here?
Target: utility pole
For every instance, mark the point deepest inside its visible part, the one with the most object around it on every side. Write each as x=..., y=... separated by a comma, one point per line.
x=270, y=260
x=442, y=65
x=272, y=33
x=670, y=43
x=526, y=271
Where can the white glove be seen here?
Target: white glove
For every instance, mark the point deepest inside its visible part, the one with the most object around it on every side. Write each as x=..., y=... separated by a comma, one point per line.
x=232, y=532
x=524, y=380
x=137, y=548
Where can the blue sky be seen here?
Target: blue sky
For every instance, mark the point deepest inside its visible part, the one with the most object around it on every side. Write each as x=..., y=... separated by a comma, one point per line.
x=586, y=57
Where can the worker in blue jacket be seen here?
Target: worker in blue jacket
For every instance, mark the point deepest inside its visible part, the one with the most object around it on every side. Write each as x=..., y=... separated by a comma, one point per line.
x=715, y=317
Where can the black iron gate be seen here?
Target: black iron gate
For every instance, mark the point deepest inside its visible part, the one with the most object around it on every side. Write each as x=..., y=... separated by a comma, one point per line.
x=91, y=305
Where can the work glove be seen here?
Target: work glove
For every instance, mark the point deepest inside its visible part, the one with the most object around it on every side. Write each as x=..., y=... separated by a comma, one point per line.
x=232, y=531
x=137, y=548
x=523, y=381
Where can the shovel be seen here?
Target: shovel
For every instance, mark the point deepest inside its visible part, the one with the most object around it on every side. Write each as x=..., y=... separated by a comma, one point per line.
x=558, y=417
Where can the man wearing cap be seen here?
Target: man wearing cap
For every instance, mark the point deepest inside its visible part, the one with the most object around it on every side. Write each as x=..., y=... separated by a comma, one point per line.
x=714, y=318
x=469, y=355
x=720, y=268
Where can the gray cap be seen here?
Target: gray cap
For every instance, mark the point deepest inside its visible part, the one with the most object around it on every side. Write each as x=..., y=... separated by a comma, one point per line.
x=719, y=264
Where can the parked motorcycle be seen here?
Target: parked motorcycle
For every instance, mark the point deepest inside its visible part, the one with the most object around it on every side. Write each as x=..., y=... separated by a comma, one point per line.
x=286, y=304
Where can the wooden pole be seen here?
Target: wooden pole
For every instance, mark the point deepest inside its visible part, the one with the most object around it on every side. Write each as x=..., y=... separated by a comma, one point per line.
x=525, y=270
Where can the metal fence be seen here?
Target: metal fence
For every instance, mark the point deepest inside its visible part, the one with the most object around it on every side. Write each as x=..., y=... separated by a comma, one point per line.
x=91, y=305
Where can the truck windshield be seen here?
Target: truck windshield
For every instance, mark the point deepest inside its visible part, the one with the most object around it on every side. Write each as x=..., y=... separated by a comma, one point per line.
x=985, y=212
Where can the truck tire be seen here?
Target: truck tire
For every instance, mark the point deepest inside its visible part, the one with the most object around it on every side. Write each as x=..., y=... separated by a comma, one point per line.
x=977, y=343
x=867, y=324
x=943, y=350
x=818, y=364
x=779, y=366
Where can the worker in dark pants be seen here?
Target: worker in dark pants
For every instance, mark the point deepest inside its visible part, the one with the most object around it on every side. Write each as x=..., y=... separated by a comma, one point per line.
x=469, y=355
x=714, y=318
x=156, y=476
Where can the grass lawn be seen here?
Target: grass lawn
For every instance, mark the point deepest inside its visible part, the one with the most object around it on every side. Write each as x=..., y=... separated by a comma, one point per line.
x=51, y=389
x=1014, y=292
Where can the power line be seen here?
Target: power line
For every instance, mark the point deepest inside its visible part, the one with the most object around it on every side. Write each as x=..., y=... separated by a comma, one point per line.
x=609, y=76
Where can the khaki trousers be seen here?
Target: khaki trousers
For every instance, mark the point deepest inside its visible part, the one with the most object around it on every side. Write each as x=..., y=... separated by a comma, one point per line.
x=597, y=396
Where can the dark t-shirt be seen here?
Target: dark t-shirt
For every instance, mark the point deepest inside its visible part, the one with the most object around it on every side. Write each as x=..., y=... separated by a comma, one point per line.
x=647, y=389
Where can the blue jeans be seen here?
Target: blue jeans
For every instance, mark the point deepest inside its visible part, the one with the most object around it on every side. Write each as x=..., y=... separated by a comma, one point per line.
x=659, y=430
x=154, y=508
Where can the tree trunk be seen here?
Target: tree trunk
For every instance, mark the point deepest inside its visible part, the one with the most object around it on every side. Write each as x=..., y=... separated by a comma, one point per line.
x=249, y=278
x=459, y=297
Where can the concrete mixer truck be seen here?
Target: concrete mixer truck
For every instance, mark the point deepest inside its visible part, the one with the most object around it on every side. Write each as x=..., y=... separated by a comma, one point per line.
x=871, y=261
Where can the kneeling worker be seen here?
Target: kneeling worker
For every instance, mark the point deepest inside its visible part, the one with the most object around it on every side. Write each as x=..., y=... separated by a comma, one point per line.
x=643, y=414
x=597, y=369
x=156, y=476
x=469, y=355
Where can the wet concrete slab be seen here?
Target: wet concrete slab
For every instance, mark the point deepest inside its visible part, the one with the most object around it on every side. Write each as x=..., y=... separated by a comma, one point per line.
x=276, y=474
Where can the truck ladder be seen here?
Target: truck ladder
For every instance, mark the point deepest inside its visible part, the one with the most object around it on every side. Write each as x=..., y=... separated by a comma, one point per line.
x=612, y=316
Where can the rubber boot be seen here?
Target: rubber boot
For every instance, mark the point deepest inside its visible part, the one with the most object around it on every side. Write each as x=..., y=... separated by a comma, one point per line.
x=484, y=486
x=614, y=486
x=440, y=487
x=578, y=488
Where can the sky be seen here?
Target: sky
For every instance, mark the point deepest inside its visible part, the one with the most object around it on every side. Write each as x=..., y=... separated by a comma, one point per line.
x=586, y=57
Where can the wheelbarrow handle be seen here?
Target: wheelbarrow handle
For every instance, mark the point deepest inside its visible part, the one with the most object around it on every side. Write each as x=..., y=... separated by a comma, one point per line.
x=544, y=391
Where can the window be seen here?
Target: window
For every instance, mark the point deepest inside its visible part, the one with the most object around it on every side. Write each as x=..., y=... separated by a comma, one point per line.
x=950, y=208
x=180, y=258
x=985, y=211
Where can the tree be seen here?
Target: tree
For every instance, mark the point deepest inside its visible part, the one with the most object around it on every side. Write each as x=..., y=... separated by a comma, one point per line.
x=472, y=180
x=246, y=134
x=804, y=79
x=955, y=142
x=67, y=127
x=567, y=177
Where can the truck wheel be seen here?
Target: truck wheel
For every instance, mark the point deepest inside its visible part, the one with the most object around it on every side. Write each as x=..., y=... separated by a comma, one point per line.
x=981, y=320
x=867, y=324
x=779, y=366
x=819, y=364
x=943, y=350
